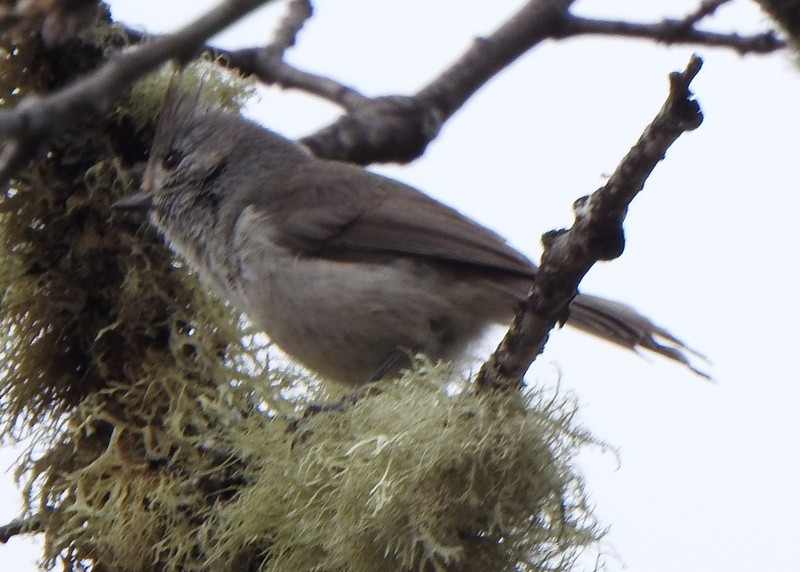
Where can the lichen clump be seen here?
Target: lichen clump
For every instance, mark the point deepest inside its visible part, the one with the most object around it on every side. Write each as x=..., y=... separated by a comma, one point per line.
x=416, y=478
x=409, y=478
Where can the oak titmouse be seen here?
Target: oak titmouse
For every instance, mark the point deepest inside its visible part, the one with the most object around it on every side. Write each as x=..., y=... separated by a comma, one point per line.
x=347, y=271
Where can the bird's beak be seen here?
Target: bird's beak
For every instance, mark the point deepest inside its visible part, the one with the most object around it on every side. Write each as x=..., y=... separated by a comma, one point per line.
x=142, y=201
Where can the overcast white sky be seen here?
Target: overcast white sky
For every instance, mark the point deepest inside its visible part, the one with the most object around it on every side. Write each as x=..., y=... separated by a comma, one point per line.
x=709, y=472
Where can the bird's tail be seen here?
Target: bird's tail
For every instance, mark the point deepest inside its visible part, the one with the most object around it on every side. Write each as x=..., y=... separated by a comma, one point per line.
x=622, y=325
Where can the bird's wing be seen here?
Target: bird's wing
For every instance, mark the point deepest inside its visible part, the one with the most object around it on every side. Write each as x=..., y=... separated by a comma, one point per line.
x=319, y=213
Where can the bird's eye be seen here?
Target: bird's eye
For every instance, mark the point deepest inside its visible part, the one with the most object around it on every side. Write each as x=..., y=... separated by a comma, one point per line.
x=172, y=159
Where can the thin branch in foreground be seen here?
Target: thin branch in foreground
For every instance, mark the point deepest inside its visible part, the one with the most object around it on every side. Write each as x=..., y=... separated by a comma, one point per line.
x=597, y=234
x=29, y=125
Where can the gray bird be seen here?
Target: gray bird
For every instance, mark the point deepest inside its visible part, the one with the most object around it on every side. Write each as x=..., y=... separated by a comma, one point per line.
x=347, y=271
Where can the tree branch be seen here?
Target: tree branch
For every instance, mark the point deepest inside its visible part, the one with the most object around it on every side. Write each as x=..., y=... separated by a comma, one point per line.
x=31, y=123
x=399, y=128
x=674, y=32
x=535, y=22
x=597, y=234
x=384, y=129
x=268, y=65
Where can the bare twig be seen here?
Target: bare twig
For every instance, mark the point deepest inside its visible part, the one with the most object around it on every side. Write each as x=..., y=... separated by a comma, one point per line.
x=31, y=123
x=268, y=65
x=275, y=71
x=674, y=32
x=596, y=235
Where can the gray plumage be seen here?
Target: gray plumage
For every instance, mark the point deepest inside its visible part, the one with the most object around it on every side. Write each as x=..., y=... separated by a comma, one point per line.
x=345, y=270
